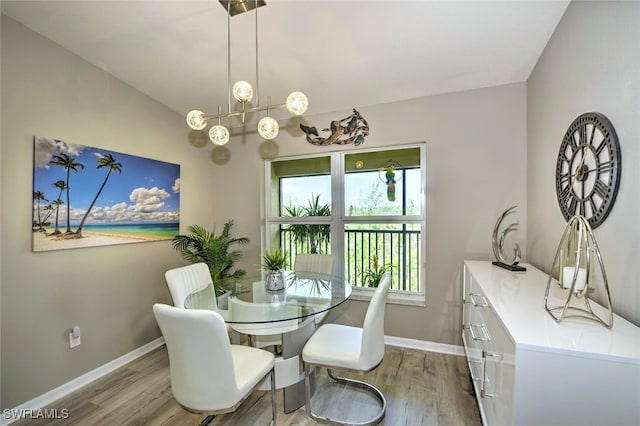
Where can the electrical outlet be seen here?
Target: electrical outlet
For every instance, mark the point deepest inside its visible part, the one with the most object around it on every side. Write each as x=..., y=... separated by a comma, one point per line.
x=74, y=337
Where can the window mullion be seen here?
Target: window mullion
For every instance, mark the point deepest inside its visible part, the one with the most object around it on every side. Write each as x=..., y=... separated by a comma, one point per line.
x=337, y=210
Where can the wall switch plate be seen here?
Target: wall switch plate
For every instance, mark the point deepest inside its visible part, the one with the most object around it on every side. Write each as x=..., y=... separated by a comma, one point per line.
x=73, y=341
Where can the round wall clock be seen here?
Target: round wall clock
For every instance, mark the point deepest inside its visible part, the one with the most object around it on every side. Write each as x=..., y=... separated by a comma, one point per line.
x=588, y=168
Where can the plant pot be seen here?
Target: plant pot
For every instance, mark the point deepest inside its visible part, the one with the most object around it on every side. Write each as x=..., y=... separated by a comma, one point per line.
x=274, y=280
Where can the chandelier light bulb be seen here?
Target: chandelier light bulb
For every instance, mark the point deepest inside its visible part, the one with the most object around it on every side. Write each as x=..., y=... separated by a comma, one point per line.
x=297, y=103
x=219, y=134
x=196, y=120
x=242, y=91
x=268, y=128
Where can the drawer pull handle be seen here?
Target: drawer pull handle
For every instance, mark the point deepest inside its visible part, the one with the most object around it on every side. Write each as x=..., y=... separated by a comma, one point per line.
x=497, y=375
x=474, y=299
x=484, y=333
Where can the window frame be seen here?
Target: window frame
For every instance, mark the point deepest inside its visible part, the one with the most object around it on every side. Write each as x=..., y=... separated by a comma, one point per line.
x=338, y=222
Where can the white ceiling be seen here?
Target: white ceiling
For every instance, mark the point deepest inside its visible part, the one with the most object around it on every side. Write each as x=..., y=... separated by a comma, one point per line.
x=342, y=54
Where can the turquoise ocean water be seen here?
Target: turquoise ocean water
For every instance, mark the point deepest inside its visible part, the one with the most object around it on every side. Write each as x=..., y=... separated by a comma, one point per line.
x=143, y=230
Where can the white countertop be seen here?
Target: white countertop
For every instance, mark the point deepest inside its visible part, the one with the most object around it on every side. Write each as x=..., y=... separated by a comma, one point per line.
x=518, y=299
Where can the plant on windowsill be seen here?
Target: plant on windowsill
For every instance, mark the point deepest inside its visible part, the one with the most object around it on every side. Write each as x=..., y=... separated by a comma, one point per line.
x=372, y=277
x=201, y=245
x=273, y=263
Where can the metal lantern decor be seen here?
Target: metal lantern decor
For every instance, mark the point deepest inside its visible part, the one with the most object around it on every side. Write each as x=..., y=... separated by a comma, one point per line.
x=575, y=265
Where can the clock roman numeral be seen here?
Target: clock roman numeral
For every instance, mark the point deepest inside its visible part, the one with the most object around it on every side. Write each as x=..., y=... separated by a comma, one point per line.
x=564, y=195
x=564, y=178
x=583, y=134
x=601, y=189
x=572, y=206
x=600, y=147
x=604, y=167
x=593, y=133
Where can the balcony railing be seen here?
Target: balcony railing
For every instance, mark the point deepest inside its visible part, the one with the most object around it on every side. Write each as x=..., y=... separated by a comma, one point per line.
x=398, y=249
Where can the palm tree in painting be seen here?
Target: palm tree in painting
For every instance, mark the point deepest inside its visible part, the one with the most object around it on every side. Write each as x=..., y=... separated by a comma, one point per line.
x=39, y=196
x=69, y=163
x=50, y=209
x=106, y=161
x=61, y=185
x=57, y=203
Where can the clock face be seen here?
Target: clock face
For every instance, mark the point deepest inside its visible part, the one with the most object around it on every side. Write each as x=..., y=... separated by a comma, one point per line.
x=588, y=168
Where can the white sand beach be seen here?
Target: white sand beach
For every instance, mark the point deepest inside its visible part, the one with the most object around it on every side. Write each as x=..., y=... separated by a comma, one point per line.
x=45, y=241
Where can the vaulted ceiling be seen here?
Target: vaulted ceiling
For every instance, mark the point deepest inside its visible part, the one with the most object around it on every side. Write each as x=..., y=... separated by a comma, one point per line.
x=342, y=54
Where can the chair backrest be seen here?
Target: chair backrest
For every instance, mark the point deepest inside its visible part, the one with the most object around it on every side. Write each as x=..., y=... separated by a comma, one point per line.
x=313, y=262
x=186, y=280
x=372, y=349
x=200, y=360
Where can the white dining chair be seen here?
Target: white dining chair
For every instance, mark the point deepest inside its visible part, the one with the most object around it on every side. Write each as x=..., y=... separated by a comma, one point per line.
x=307, y=265
x=343, y=347
x=313, y=263
x=209, y=375
x=189, y=279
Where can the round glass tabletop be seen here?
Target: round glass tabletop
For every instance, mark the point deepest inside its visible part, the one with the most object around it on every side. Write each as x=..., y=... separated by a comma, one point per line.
x=249, y=302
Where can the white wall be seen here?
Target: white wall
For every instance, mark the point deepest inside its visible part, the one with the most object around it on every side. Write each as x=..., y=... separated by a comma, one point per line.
x=592, y=63
x=107, y=291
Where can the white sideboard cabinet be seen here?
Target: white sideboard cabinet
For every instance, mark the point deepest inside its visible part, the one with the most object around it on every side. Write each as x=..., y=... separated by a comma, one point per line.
x=527, y=369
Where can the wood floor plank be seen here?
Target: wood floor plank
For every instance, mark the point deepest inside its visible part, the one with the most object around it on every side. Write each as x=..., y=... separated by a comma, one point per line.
x=421, y=388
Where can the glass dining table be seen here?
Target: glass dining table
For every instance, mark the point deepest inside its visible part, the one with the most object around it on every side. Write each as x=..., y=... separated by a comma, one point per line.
x=292, y=314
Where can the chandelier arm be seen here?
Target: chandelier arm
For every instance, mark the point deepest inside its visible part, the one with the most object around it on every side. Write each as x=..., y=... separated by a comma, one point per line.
x=246, y=111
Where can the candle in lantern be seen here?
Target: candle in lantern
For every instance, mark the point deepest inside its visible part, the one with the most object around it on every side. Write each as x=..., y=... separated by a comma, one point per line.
x=567, y=278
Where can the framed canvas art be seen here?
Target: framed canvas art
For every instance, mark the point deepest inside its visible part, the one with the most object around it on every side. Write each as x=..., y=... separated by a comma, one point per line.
x=85, y=196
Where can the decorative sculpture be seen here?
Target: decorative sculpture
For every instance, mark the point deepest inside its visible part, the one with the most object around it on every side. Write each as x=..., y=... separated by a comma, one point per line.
x=503, y=260
x=351, y=129
x=389, y=169
x=574, y=264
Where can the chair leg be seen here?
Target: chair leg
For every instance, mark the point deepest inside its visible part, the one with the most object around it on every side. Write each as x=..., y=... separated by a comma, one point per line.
x=346, y=382
x=207, y=420
x=274, y=397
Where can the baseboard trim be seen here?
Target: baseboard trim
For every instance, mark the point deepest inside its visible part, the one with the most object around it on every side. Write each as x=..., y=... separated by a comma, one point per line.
x=423, y=345
x=48, y=398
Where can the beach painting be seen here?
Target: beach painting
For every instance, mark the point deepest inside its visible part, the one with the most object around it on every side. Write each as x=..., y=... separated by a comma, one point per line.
x=85, y=196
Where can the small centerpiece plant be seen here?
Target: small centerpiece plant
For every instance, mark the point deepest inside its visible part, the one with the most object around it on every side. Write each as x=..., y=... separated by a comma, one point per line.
x=372, y=277
x=274, y=262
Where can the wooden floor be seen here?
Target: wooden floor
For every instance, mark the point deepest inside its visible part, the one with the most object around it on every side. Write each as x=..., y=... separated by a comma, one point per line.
x=422, y=388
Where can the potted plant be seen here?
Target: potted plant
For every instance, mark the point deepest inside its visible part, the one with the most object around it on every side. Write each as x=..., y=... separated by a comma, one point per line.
x=201, y=245
x=273, y=263
x=312, y=236
x=372, y=277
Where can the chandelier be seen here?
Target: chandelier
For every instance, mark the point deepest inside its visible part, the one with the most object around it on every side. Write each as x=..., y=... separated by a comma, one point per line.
x=242, y=91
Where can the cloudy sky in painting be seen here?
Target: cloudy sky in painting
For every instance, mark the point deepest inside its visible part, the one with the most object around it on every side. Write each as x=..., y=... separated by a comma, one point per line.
x=145, y=191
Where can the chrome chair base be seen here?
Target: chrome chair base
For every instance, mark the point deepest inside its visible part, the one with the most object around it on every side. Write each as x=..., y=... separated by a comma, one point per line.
x=347, y=382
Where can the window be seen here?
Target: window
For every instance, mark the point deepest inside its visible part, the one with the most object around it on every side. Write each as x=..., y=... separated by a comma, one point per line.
x=365, y=207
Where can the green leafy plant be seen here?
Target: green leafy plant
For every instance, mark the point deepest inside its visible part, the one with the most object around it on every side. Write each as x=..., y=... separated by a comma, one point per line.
x=274, y=260
x=372, y=277
x=201, y=245
x=313, y=236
